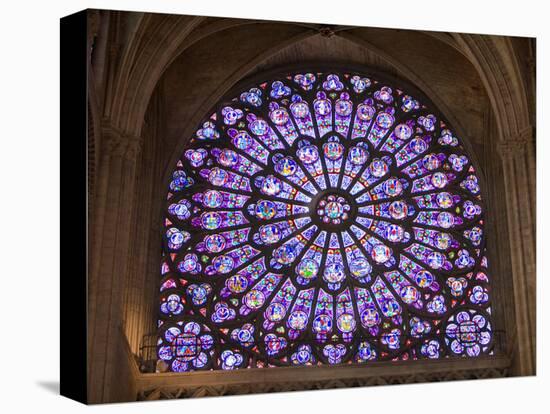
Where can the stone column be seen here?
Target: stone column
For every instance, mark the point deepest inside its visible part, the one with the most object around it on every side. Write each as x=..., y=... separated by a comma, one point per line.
x=518, y=165
x=108, y=262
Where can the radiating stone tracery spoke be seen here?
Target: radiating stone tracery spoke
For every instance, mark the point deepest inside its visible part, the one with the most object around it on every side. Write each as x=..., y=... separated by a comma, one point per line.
x=322, y=218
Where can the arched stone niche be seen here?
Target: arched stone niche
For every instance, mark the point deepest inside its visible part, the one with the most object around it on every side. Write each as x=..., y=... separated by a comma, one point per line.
x=155, y=76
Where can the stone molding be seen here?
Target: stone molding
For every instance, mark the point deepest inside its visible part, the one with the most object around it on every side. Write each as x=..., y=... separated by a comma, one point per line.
x=163, y=393
x=264, y=380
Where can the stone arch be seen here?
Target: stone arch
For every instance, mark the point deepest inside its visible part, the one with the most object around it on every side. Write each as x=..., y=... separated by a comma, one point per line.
x=400, y=67
x=496, y=62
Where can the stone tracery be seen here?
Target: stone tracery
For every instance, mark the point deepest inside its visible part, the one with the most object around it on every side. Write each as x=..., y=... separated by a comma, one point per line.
x=322, y=218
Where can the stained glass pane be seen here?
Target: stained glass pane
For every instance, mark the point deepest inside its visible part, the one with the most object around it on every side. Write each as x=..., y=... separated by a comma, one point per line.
x=322, y=218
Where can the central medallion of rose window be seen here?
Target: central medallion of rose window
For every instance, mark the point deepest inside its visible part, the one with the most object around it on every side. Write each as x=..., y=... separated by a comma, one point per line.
x=333, y=209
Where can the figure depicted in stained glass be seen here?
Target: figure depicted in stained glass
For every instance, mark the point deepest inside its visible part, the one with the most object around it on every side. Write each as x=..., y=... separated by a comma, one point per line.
x=323, y=218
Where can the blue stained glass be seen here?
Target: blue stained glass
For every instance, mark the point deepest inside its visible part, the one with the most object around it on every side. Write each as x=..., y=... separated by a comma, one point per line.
x=322, y=218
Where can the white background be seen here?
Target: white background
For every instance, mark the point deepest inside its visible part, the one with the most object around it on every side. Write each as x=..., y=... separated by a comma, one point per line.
x=29, y=203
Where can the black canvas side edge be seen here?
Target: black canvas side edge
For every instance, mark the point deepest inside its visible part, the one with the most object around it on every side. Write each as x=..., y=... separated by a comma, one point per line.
x=74, y=220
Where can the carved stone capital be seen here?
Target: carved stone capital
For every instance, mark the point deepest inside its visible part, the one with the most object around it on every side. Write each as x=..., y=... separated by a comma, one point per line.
x=517, y=144
x=118, y=144
x=510, y=149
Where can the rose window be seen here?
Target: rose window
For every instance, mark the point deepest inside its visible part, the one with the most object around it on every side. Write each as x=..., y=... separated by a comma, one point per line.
x=323, y=218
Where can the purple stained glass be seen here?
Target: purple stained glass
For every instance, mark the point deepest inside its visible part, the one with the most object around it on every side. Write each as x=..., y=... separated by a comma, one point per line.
x=323, y=218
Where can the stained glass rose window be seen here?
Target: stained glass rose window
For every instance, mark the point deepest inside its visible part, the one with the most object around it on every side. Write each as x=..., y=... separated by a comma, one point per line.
x=323, y=218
